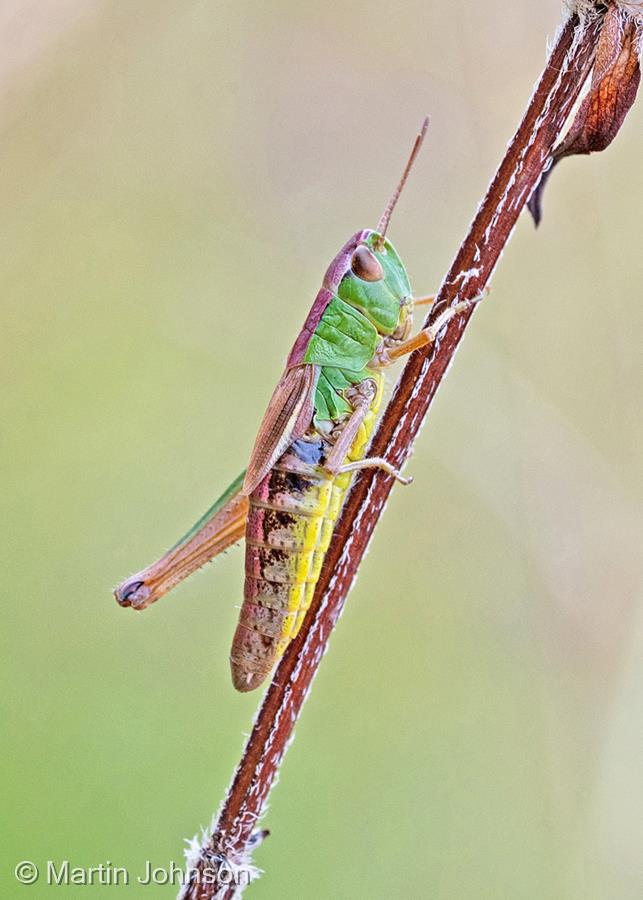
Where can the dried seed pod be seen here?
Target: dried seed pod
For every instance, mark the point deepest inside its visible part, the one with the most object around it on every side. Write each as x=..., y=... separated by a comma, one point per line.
x=615, y=81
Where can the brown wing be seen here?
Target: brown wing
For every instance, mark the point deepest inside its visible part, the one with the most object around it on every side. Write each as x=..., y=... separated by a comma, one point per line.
x=289, y=414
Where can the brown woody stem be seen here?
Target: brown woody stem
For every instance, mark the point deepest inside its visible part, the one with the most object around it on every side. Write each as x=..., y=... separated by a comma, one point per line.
x=527, y=156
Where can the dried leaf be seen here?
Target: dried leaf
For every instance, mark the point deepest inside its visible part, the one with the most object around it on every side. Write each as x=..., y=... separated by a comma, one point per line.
x=615, y=82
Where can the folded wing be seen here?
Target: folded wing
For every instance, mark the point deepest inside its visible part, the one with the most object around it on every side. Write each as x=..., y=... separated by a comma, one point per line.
x=287, y=418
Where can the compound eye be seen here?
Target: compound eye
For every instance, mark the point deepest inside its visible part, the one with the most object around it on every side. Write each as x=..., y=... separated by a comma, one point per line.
x=366, y=265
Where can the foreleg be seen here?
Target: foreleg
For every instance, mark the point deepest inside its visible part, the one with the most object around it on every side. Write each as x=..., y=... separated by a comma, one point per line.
x=427, y=335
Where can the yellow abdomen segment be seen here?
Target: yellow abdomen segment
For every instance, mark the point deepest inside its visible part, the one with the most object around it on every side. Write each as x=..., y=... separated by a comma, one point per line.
x=290, y=524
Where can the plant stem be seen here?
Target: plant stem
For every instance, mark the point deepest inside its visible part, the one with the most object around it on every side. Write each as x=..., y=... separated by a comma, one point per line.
x=527, y=156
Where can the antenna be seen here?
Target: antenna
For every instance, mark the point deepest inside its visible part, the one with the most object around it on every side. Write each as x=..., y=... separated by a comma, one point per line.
x=383, y=223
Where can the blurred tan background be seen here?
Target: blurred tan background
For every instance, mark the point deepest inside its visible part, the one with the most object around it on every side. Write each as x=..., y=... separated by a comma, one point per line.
x=175, y=177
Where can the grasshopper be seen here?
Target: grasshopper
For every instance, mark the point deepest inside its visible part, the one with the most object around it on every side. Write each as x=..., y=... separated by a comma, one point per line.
x=312, y=440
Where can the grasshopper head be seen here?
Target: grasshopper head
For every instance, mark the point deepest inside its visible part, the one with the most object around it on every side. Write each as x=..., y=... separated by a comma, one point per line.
x=376, y=283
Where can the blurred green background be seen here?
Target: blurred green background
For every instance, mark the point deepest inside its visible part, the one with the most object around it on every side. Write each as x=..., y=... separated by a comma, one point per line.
x=175, y=177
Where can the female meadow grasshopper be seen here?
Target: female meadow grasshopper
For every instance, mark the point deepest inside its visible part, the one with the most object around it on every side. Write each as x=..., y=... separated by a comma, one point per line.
x=312, y=440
